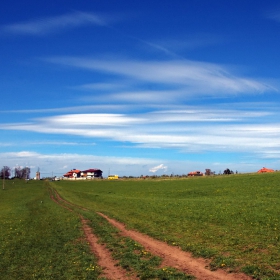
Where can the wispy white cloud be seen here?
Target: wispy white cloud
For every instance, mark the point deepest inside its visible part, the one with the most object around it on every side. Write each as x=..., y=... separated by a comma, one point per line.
x=272, y=154
x=158, y=167
x=189, y=42
x=6, y=144
x=146, y=96
x=101, y=86
x=72, y=156
x=204, y=115
x=86, y=108
x=189, y=77
x=23, y=154
x=61, y=143
x=38, y=143
x=81, y=120
x=46, y=25
x=218, y=130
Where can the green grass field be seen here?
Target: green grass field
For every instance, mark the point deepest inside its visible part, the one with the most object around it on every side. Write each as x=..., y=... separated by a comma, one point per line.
x=232, y=220
x=38, y=238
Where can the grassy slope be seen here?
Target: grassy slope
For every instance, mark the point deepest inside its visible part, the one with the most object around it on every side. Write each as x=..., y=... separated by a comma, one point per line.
x=38, y=238
x=234, y=219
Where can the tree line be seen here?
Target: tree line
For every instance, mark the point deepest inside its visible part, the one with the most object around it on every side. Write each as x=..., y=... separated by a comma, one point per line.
x=20, y=173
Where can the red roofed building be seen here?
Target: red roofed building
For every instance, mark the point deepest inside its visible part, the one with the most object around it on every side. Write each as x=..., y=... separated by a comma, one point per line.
x=74, y=173
x=265, y=170
x=85, y=174
x=195, y=173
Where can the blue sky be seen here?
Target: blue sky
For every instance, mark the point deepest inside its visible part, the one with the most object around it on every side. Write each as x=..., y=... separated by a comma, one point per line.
x=140, y=87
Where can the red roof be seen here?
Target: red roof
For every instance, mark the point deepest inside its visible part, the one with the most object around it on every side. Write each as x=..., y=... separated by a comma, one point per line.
x=265, y=170
x=195, y=173
x=70, y=173
x=75, y=171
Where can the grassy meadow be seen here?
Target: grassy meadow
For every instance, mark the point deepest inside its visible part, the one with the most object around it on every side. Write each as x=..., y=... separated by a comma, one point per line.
x=232, y=220
x=38, y=238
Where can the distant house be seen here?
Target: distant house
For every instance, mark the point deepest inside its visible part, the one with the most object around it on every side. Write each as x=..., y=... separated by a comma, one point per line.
x=73, y=174
x=91, y=173
x=265, y=170
x=85, y=174
x=195, y=173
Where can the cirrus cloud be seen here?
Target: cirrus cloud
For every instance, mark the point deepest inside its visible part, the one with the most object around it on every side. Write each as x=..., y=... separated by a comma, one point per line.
x=54, y=24
x=186, y=76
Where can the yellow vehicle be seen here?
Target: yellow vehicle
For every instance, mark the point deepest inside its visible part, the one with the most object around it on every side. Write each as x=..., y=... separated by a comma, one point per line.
x=113, y=177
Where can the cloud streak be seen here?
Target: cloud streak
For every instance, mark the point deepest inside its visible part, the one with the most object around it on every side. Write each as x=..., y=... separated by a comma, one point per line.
x=187, y=77
x=193, y=130
x=158, y=167
x=48, y=25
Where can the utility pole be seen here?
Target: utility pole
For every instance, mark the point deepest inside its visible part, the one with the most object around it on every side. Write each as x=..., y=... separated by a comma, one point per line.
x=3, y=178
